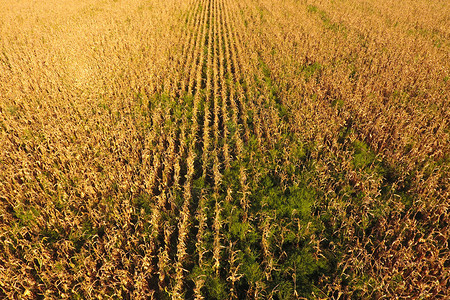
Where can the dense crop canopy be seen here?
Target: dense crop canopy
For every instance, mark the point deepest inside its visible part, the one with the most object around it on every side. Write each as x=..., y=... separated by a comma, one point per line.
x=224, y=149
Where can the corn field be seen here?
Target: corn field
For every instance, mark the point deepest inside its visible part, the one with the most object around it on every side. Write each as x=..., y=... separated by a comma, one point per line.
x=224, y=149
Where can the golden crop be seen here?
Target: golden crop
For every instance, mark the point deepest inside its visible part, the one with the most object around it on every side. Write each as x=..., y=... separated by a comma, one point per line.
x=224, y=149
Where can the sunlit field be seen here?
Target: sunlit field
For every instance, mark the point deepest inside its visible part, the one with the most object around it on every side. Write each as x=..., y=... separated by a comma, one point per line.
x=224, y=149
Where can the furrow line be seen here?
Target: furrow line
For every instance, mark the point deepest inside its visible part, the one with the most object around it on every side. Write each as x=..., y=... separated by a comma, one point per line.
x=225, y=88
x=207, y=103
x=217, y=176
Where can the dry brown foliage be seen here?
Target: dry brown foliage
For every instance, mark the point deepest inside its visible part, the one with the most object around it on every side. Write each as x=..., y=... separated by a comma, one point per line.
x=154, y=149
